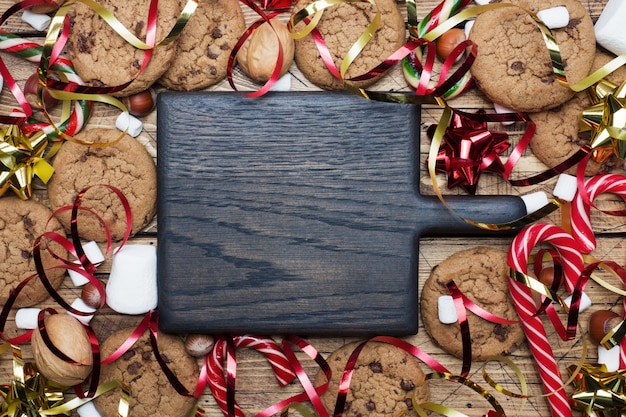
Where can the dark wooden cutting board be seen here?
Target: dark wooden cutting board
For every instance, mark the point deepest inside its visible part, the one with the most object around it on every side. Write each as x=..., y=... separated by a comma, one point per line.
x=295, y=213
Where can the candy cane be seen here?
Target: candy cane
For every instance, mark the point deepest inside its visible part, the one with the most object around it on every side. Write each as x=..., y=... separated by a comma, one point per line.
x=439, y=14
x=581, y=221
x=32, y=51
x=581, y=209
x=268, y=347
x=573, y=265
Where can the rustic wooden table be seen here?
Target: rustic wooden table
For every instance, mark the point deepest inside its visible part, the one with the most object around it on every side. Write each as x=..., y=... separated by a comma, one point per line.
x=256, y=388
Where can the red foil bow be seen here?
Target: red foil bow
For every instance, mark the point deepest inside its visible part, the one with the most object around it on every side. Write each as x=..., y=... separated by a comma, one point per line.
x=469, y=148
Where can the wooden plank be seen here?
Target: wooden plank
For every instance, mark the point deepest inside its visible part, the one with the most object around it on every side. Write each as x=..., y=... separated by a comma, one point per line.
x=295, y=213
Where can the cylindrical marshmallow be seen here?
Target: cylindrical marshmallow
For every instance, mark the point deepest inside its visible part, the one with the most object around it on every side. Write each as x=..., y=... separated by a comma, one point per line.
x=609, y=357
x=95, y=256
x=93, y=252
x=38, y=21
x=80, y=305
x=554, y=17
x=132, y=285
x=126, y=122
x=482, y=2
x=534, y=201
x=609, y=27
x=446, y=309
x=26, y=318
x=88, y=410
x=500, y=109
x=566, y=187
x=585, y=302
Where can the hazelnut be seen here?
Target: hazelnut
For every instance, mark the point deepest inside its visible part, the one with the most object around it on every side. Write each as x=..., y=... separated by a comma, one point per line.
x=258, y=54
x=92, y=295
x=141, y=104
x=198, y=345
x=69, y=336
x=448, y=41
x=546, y=276
x=30, y=92
x=601, y=322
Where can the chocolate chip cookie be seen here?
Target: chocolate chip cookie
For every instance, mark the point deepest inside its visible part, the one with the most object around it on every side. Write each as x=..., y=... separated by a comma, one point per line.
x=102, y=57
x=514, y=68
x=21, y=222
x=385, y=379
x=204, y=46
x=151, y=393
x=341, y=26
x=480, y=274
x=558, y=134
x=127, y=166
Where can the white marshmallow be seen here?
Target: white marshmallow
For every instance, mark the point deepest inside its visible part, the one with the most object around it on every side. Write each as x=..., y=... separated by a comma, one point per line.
x=446, y=309
x=468, y=28
x=554, y=17
x=26, y=318
x=566, y=187
x=38, y=21
x=132, y=285
x=535, y=201
x=88, y=410
x=283, y=83
x=609, y=27
x=80, y=305
x=482, y=2
x=95, y=256
x=500, y=109
x=609, y=357
x=585, y=302
x=127, y=122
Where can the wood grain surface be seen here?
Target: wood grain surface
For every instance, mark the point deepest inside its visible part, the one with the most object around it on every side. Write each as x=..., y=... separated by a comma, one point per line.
x=256, y=388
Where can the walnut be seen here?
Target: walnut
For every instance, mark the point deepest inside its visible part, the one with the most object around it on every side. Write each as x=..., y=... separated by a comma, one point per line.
x=69, y=336
x=257, y=56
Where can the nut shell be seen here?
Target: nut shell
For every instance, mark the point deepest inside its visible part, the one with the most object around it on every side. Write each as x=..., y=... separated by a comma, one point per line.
x=69, y=336
x=448, y=41
x=601, y=322
x=198, y=345
x=257, y=56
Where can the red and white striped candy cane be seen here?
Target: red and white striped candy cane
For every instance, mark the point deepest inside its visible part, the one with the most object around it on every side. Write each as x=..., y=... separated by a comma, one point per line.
x=215, y=366
x=581, y=209
x=573, y=265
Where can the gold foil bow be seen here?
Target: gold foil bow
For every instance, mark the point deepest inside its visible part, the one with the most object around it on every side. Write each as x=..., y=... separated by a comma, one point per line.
x=29, y=392
x=21, y=158
x=606, y=119
x=599, y=392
